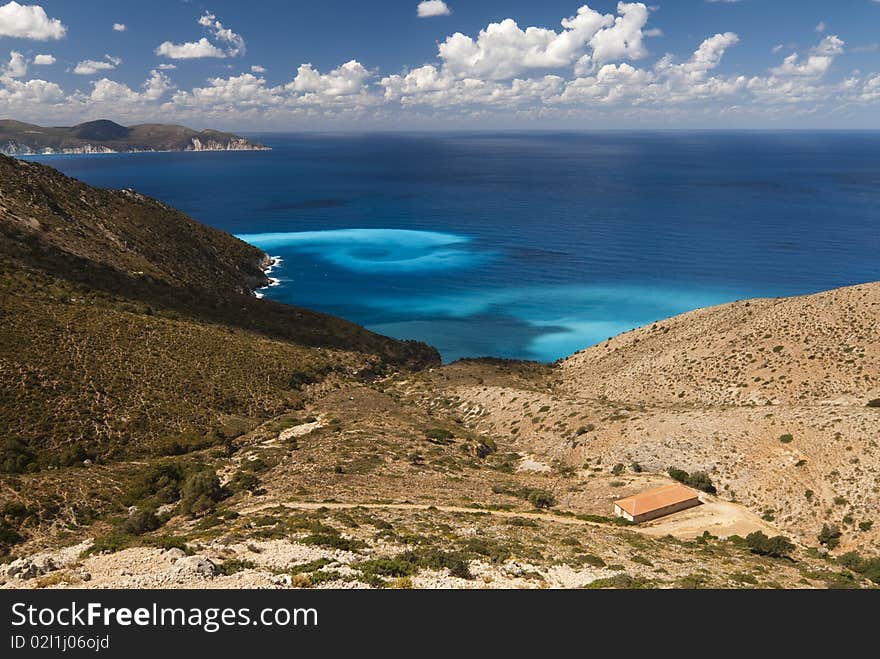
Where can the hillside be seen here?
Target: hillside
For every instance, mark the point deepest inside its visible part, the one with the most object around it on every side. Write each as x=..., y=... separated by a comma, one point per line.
x=165, y=428
x=128, y=325
x=103, y=136
x=771, y=398
x=822, y=348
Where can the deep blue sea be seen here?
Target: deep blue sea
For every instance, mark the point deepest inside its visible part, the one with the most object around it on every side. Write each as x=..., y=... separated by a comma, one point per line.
x=530, y=245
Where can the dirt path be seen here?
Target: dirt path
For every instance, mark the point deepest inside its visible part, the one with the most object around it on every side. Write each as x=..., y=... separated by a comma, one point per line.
x=295, y=505
x=720, y=518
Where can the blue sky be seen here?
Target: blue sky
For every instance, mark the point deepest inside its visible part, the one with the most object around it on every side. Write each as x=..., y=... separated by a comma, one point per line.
x=274, y=64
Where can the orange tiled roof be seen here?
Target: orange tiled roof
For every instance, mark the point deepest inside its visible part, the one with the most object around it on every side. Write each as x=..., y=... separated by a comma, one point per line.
x=660, y=497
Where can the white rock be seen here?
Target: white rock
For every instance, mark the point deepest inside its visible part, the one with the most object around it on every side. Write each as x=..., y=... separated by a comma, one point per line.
x=190, y=566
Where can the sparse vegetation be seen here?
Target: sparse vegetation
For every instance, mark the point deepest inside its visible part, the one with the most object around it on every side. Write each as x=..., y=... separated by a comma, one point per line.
x=140, y=522
x=777, y=547
x=830, y=536
x=200, y=493
x=699, y=480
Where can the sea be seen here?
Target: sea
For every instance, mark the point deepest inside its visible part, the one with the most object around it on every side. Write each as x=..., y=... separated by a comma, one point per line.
x=529, y=245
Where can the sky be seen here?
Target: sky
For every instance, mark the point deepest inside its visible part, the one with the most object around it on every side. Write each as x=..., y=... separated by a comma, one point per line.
x=270, y=65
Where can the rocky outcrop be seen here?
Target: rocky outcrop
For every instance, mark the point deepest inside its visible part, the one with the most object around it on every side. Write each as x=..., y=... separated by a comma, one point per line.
x=235, y=144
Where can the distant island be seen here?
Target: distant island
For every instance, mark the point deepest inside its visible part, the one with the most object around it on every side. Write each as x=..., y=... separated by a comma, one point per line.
x=104, y=136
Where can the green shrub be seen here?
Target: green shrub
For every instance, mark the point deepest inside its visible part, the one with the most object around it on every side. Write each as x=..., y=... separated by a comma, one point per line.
x=787, y=438
x=246, y=481
x=439, y=436
x=829, y=536
x=110, y=543
x=699, y=480
x=619, y=581
x=9, y=536
x=541, y=498
x=160, y=483
x=867, y=567
x=16, y=457
x=200, y=492
x=335, y=541
x=233, y=565
x=410, y=562
x=874, y=402
x=778, y=546
x=617, y=470
x=140, y=522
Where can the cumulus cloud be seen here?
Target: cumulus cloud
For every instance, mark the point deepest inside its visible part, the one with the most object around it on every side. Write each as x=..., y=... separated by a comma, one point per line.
x=592, y=63
x=190, y=50
x=817, y=63
x=820, y=27
x=236, y=45
x=430, y=8
x=29, y=22
x=157, y=85
x=119, y=27
x=203, y=48
x=125, y=99
x=17, y=94
x=227, y=94
x=504, y=50
x=44, y=60
x=345, y=80
x=91, y=67
x=15, y=68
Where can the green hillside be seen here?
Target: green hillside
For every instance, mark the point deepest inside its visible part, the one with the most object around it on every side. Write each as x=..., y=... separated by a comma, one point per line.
x=128, y=328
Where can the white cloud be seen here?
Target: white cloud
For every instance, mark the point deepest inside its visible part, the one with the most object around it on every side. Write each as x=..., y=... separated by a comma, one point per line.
x=504, y=50
x=777, y=48
x=91, y=67
x=623, y=40
x=119, y=27
x=820, y=27
x=29, y=22
x=156, y=86
x=817, y=62
x=871, y=88
x=203, y=48
x=16, y=68
x=346, y=80
x=430, y=8
x=44, y=60
x=586, y=69
x=227, y=94
x=221, y=33
x=190, y=50
x=110, y=91
x=123, y=98
x=27, y=95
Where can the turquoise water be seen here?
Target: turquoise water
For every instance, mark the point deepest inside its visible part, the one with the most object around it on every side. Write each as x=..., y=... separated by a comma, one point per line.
x=530, y=245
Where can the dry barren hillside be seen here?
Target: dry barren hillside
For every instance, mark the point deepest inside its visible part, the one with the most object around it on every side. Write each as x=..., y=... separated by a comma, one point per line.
x=816, y=349
x=774, y=399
